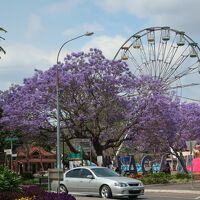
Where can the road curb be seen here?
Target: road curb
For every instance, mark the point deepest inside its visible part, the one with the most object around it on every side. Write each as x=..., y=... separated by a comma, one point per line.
x=174, y=191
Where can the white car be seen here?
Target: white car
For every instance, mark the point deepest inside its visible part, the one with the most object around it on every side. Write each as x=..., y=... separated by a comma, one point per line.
x=101, y=181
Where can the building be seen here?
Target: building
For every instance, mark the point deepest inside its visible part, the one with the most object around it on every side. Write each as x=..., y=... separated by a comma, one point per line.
x=33, y=159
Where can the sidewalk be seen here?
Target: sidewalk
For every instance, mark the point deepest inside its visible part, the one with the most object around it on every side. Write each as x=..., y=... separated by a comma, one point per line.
x=186, y=188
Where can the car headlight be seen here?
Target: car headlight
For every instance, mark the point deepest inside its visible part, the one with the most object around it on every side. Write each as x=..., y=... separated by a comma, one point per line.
x=140, y=184
x=119, y=184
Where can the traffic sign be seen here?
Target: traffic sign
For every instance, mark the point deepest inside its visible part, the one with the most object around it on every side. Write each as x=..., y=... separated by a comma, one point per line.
x=86, y=146
x=11, y=139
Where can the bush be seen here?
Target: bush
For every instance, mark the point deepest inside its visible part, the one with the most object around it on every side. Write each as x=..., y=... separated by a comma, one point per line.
x=182, y=176
x=157, y=178
x=33, y=181
x=9, y=180
x=27, y=175
x=160, y=178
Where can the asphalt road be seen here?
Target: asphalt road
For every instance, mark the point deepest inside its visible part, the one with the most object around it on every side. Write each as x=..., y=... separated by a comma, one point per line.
x=152, y=196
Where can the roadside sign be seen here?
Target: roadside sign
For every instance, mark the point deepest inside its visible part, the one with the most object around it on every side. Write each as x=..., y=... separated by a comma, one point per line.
x=8, y=151
x=85, y=145
x=100, y=160
x=11, y=139
x=190, y=145
x=74, y=156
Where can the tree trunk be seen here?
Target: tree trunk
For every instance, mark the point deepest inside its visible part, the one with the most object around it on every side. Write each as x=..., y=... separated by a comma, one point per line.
x=182, y=161
x=98, y=147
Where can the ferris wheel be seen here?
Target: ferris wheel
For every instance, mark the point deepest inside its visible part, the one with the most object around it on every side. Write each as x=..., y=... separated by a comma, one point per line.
x=166, y=54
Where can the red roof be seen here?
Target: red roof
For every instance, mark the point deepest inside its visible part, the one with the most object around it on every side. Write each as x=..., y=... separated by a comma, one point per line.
x=22, y=151
x=37, y=160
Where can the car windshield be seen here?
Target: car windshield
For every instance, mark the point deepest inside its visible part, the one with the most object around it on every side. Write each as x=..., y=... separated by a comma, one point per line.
x=104, y=172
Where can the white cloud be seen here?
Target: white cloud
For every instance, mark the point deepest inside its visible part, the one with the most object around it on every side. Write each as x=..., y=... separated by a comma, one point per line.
x=34, y=26
x=62, y=6
x=96, y=28
x=179, y=14
x=108, y=45
x=20, y=62
x=21, y=59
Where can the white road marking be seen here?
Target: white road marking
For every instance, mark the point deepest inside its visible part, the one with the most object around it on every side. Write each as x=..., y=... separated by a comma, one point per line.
x=174, y=197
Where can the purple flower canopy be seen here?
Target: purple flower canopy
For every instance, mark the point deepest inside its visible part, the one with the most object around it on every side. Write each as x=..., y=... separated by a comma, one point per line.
x=102, y=99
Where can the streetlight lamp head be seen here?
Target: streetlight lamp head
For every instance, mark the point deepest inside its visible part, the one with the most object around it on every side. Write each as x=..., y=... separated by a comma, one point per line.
x=89, y=33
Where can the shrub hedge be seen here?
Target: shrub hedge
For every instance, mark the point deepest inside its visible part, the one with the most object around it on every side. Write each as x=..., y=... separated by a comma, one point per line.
x=161, y=178
x=9, y=180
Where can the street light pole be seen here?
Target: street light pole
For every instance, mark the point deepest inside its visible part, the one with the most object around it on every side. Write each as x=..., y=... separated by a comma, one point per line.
x=58, y=104
x=86, y=34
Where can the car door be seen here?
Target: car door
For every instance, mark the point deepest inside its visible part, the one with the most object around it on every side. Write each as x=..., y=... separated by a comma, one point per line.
x=72, y=180
x=88, y=182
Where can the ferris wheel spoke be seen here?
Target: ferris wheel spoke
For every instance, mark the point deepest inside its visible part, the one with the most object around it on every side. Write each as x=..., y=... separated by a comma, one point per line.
x=184, y=86
x=176, y=65
x=144, y=57
x=141, y=54
x=166, y=69
x=191, y=99
x=189, y=71
x=169, y=56
x=134, y=61
x=158, y=59
x=179, y=60
x=152, y=54
x=162, y=54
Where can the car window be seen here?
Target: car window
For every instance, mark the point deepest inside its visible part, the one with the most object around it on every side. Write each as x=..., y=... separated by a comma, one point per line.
x=85, y=173
x=75, y=173
x=104, y=172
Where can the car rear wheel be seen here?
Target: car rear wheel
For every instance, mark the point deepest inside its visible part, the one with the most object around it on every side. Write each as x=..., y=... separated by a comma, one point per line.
x=105, y=192
x=63, y=189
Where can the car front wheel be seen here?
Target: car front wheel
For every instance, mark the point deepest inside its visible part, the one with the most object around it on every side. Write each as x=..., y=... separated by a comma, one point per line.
x=105, y=192
x=133, y=197
x=63, y=189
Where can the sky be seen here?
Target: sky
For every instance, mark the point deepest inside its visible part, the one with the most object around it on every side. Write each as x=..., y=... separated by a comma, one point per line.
x=36, y=29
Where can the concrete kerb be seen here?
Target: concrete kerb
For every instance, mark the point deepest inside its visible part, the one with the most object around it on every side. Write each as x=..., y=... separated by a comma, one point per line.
x=173, y=191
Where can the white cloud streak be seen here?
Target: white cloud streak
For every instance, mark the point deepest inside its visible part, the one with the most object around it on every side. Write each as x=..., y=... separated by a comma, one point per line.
x=83, y=29
x=62, y=6
x=108, y=45
x=34, y=26
x=26, y=58
x=179, y=14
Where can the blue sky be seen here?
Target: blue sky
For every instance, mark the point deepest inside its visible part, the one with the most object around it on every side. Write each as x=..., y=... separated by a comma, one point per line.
x=37, y=28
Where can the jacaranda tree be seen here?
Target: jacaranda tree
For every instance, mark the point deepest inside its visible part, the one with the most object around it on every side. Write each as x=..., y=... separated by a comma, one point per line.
x=165, y=125
x=102, y=100
x=99, y=99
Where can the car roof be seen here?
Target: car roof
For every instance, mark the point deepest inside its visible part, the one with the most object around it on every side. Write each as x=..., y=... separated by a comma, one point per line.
x=88, y=167
x=85, y=167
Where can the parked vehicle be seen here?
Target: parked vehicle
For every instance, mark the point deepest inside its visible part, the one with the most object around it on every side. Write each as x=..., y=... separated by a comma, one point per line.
x=101, y=181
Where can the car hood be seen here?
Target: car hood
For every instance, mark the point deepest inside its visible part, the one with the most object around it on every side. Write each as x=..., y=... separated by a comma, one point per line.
x=123, y=179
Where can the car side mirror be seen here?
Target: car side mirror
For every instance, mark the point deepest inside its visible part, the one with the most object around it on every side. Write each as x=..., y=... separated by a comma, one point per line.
x=90, y=177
